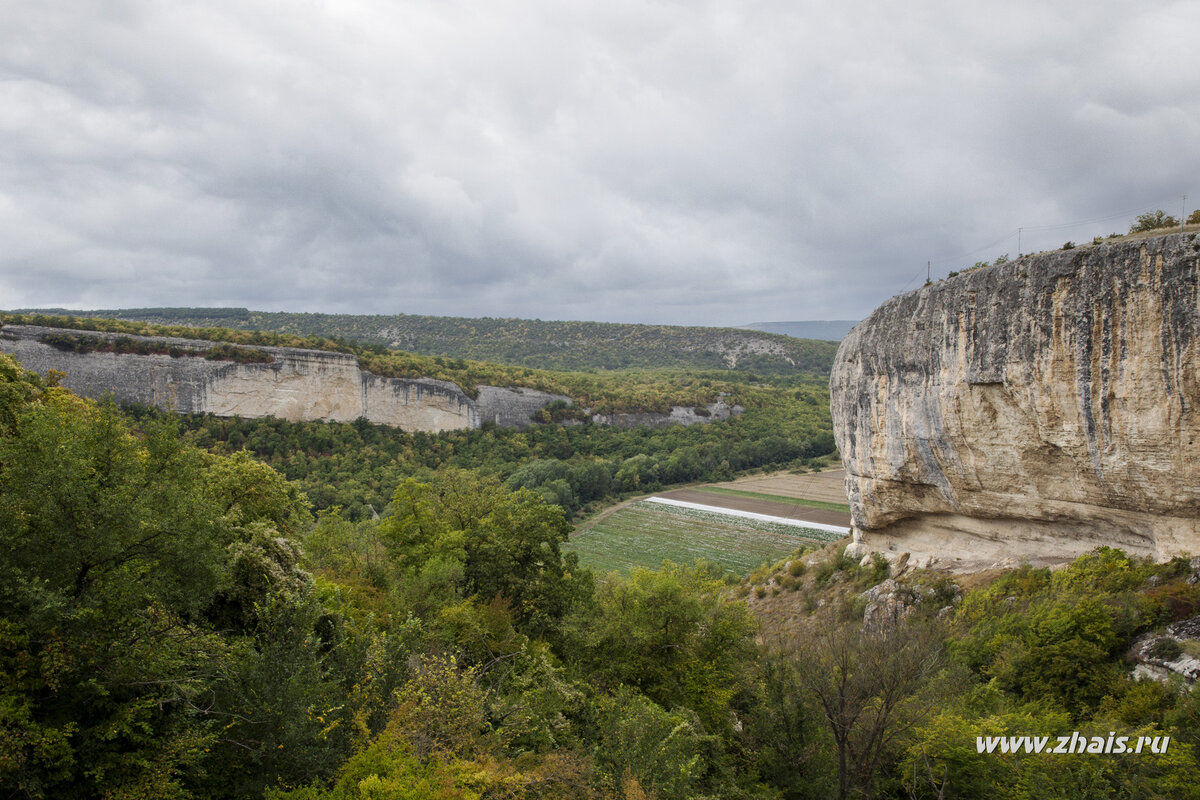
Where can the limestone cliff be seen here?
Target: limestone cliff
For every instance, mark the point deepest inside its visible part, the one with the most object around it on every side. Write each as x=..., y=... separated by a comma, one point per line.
x=1031, y=410
x=295, y=385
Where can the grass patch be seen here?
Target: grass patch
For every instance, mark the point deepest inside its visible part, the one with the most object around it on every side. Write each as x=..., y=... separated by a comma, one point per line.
x=646, y=534
x=774, y=498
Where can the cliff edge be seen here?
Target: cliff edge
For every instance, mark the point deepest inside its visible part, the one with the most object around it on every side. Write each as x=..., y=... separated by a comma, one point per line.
x=1029, y=411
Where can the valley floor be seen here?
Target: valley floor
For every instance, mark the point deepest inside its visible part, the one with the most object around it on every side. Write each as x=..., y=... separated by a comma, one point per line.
x=800, y=497
x=640, y=534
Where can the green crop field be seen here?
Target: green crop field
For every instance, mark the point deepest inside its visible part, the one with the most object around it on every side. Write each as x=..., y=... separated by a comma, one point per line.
x=646, y=534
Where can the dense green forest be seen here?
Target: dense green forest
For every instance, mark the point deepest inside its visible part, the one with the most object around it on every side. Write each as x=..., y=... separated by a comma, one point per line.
x=567, y=346
x=357, y=465
x=176, y=623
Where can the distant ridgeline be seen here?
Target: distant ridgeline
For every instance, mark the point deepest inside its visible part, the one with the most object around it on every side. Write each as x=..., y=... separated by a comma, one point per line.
x=532, y=343
x=259, y=376
x=827, y=329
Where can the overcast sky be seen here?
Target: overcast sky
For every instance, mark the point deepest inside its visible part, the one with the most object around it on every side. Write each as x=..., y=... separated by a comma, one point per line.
x=692, y=163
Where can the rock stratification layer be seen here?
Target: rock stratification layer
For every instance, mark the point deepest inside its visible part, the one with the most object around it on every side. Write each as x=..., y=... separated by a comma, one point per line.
x=1030, y=411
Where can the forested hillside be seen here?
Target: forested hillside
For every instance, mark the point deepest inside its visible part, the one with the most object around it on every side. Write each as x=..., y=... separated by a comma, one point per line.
x=568, y=346
x=356, y=465
x=570, y=460
x=831, y=330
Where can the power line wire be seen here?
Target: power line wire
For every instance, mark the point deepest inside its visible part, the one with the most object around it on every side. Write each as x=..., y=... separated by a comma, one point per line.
x=1084, y=221
x=1041, y=228
x=1037, y=228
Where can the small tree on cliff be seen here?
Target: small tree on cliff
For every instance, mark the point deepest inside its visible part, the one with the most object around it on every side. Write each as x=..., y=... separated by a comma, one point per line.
x=1153, y=220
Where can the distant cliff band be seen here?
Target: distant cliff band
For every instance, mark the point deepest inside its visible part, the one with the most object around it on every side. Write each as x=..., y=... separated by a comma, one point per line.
x=195, y=376
x=295, y=385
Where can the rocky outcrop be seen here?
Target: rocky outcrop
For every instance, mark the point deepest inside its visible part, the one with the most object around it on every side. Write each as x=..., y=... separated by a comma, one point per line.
x=1031, y=410
x=512, y=406
x=680, y=415
x=295, y=384
x=1159, y=656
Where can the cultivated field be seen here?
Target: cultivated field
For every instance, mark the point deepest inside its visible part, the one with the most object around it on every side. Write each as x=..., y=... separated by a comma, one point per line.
x=646, y=534
x=828, y=486
x=819, y=497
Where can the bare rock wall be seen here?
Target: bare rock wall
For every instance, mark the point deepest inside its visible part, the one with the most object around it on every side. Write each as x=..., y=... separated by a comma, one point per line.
x=1031, y=410
x=296, y=385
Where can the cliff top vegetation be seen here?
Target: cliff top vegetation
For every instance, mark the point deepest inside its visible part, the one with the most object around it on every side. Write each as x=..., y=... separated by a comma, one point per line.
x=568, y=346
x=1145, y=226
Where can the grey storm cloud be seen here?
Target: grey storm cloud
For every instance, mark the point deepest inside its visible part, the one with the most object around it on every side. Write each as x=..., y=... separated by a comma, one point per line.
x=710, y=163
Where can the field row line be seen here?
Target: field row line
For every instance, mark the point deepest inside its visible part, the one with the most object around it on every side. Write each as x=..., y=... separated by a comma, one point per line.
x=797, y=523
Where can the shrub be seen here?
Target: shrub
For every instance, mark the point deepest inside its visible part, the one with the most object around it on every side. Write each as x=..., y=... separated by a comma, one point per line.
x=1165, y=648
x=1174, y=601
x=840, y=563
x=1153, y=220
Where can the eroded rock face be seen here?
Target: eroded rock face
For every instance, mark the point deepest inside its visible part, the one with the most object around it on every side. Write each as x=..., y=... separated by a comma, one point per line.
x=1030, y=411
x=679, y=415
x=296, y=385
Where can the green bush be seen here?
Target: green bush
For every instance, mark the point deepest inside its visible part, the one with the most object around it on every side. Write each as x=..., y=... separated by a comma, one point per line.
x=1153, y=220
x=1165, y=648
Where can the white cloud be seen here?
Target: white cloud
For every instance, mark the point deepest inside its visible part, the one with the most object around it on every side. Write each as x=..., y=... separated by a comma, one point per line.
x=645, y=161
